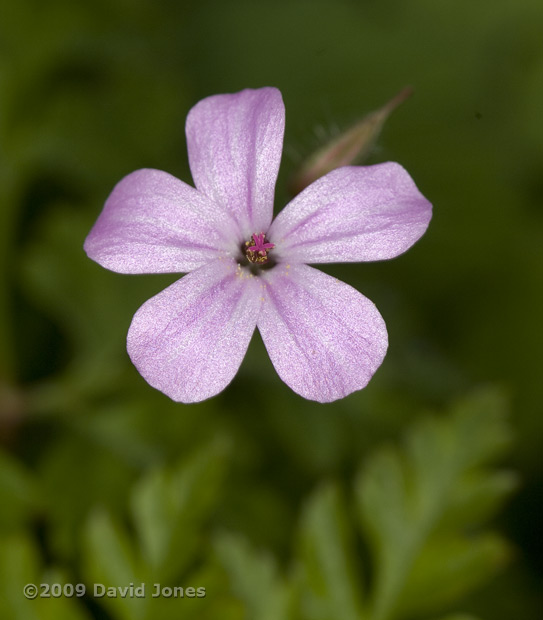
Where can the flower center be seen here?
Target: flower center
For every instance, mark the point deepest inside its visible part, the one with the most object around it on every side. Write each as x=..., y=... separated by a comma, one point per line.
x=256, y=250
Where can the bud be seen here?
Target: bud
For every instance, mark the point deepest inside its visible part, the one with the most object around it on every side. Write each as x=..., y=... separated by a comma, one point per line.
x=352, y=146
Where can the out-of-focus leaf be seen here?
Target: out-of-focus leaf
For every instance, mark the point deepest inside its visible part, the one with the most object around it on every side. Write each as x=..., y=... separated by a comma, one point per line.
x=19, y=495
x=111, y=560
x=170, y=507
x=77, y=475
x=448, y=567
x=255, y=579
x=422, y=559
x=91, y=306
x=458, y=617
x=20, y=565
x=331, y=584
x=111, y=557
x=22, y=71
x=10, y=188
x=479, y=496
x=404, y=495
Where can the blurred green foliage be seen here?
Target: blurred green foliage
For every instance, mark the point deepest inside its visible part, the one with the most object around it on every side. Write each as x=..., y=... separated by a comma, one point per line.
x=419, y=511
x=365, y=508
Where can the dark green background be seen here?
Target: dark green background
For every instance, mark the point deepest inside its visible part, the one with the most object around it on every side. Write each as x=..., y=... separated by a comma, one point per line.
x=90, y=91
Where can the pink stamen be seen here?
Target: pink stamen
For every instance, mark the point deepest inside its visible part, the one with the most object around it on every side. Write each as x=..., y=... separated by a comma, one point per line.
x=259, y=245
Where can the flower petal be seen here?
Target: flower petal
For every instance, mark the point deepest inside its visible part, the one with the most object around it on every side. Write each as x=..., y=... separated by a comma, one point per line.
x=324, y=338
x=234, y=145
x=189, y=340
x=352, y=214
x=155, y=223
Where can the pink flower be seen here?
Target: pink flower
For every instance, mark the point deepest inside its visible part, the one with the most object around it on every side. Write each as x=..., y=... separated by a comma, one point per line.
x=324, y=338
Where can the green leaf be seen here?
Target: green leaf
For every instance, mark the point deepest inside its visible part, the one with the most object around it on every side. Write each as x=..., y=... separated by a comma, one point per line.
x=20, y=565
x=111, y=560
x=331, y=584
x=10, y=189
x=255, y=579
x=448, y=567
x=458, y=617
x=424, y=559
x=478, y=497
x=170, y=507
x=76, y=475
x=19, y=495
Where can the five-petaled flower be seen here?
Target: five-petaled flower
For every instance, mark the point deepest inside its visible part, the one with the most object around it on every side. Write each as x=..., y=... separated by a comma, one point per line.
x=244, y=271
